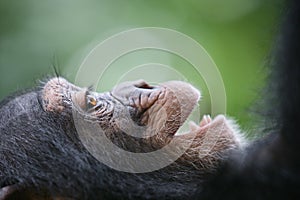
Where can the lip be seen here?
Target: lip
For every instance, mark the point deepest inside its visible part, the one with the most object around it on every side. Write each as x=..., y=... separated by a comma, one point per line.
x=186, y=98
x=205, y=123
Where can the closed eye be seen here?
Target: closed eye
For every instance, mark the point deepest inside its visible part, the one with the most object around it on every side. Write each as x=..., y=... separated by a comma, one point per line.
x=91, y=101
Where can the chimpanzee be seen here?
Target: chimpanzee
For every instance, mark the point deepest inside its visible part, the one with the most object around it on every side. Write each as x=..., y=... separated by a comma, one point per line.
x=43, y=152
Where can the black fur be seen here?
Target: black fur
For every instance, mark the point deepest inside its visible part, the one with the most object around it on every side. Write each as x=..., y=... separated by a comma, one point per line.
x=270, y=168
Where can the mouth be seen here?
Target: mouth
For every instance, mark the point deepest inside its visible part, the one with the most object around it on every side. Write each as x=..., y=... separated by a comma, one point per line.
x=190, y=124
x=164, y=107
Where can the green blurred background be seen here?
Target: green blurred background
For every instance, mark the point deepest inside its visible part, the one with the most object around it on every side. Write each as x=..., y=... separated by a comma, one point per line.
x=237, y=34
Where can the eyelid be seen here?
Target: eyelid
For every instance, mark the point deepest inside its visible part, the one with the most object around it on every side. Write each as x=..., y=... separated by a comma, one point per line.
x=85, y=100
x=91, y=100
x=94, y=103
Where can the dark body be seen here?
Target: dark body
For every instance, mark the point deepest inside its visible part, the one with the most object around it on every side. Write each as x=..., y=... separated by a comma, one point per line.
x=270, y=168
x=42, y=160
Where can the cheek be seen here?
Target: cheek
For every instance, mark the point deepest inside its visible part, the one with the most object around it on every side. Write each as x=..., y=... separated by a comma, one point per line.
x=79, y=99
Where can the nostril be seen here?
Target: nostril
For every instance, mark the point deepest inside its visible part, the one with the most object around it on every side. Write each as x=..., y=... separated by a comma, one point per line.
x=143, y=85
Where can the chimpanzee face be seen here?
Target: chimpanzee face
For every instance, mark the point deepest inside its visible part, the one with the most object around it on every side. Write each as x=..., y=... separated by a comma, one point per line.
x=139, y=117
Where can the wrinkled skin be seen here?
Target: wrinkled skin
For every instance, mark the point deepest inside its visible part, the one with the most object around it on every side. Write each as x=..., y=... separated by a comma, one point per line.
x=39, y=134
